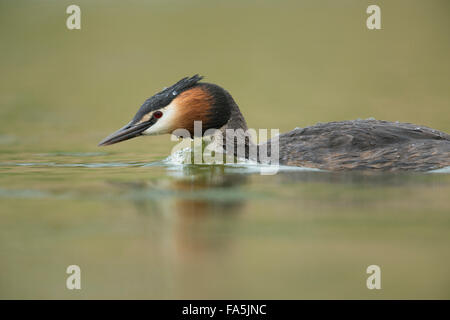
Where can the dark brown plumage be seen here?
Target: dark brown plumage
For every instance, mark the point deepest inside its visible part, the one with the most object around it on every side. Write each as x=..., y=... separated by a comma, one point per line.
x=365, y=145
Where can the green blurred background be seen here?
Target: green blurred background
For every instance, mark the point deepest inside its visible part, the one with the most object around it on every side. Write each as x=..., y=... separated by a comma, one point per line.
x=287, y=63
x=149, y=232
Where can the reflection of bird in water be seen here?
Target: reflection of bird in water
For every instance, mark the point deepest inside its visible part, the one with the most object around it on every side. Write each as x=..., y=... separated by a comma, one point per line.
x=358, y=144
x=193, y=210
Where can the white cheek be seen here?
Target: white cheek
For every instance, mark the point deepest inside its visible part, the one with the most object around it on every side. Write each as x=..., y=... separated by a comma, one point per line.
x=165, y=123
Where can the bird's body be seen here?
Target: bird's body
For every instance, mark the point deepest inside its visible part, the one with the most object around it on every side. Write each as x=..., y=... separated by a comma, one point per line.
x=365, y=145
x=344, y=145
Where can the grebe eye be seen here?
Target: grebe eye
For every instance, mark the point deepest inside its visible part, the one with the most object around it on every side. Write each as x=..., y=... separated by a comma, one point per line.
x=157, y=114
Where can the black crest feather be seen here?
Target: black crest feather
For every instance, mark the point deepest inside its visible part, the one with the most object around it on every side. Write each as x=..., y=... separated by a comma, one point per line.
x=164, y=97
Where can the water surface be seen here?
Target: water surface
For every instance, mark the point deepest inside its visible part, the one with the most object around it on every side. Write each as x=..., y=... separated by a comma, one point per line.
x=172, y=231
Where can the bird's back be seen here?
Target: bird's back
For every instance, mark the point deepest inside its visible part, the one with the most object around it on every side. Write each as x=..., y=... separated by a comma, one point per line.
x=365, y=144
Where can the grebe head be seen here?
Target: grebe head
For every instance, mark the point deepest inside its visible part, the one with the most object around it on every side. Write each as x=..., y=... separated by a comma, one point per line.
x=177, y=107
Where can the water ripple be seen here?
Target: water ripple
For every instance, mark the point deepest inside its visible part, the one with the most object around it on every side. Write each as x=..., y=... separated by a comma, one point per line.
x=75, y=165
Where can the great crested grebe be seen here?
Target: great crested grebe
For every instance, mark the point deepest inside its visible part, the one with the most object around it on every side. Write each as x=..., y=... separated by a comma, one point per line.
x=343, y=145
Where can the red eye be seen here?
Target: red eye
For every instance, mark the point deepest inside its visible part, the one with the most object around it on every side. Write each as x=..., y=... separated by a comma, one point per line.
x=157, y=114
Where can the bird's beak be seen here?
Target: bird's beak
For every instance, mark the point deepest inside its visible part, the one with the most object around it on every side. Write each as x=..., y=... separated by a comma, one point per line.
x=127, y=132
